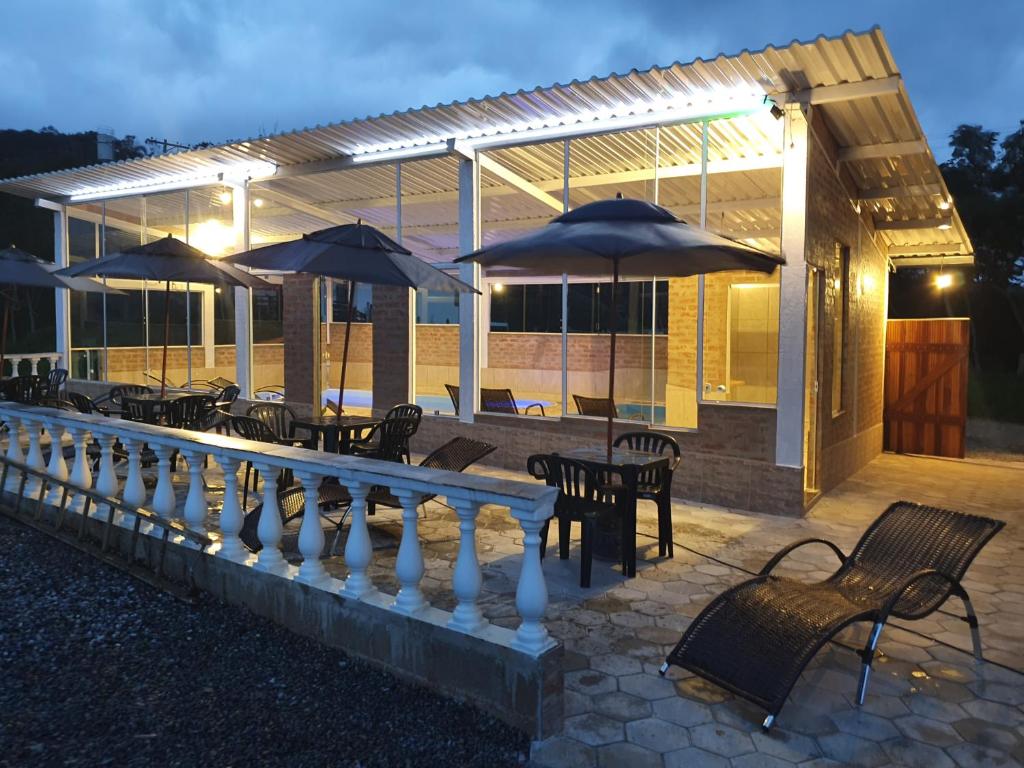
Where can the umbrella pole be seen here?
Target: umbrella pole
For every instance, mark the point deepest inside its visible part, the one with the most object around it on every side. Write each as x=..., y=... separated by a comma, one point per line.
x=167, y=336
x=612, y=323
x=344, y=353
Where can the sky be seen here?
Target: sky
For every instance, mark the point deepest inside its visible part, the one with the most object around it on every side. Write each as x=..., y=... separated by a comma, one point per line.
x=193, y=70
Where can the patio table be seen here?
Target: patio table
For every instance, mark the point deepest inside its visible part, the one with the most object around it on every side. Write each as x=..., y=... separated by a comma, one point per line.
x=630, y=464
x=154, y=405
x=338, y=437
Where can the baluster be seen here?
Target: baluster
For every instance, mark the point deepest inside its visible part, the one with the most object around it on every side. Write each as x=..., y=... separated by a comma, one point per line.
x=134, y=487
x=106, y=482
x=15, y=363
x=164, y=502
x=35, y=455
x=231, y=517
x=466, y=580
x=81, y=474
x=409, y=565
x=532, y=592
x=270, y=528
x=58, y=467
x=34, y=360
x=195, y=503
x=311, y=534
x=15, y=430
x=358, y=547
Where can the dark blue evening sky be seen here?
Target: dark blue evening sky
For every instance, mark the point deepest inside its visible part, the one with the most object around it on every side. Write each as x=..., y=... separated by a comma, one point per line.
x=191, y=71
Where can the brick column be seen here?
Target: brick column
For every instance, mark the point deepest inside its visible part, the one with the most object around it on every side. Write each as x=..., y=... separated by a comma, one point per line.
x=392, y=347
x=301, y=299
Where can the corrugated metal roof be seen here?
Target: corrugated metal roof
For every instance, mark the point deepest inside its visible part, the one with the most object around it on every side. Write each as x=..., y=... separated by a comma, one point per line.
x=885, y=118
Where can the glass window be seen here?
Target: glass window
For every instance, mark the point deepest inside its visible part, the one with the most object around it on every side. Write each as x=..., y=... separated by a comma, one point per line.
x=433, y=308
x=840, y=309
x=363, y=302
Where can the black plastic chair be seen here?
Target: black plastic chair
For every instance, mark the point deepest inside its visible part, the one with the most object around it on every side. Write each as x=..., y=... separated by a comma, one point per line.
x=656, y=484
x=26, y=390
x=280, y=418
x=596, y=406
x=250, y=428
x=502, y=401
x=55, y=382
x=85, y=404
x=117, y=394
x=453, y=393
x=756, y=638
x=389, y=440
x=583, y=497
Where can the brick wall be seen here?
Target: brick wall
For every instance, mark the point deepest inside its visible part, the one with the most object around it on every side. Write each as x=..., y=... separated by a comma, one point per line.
x=852, y=438
x=301, y=310
x=391, y=318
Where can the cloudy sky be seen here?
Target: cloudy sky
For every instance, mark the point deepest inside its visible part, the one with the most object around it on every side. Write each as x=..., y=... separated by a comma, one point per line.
x=194, y=70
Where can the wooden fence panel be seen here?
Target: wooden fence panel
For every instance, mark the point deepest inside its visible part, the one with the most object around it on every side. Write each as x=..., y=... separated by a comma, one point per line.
x=926, y=363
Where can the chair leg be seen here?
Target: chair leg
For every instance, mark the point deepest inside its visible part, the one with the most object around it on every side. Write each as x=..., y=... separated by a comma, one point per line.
x=587, y=530
x=544, y=537
x=665, y=548
x=972, y=621
x=867, y=656
x=564, y=534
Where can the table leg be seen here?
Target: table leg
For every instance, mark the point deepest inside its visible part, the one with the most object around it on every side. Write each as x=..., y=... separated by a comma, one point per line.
x=331, y=439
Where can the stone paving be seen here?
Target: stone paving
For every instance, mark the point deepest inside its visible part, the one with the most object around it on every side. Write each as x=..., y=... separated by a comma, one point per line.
x=929, y=704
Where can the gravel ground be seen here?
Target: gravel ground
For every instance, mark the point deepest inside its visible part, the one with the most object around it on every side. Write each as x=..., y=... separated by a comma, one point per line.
x=98, y=668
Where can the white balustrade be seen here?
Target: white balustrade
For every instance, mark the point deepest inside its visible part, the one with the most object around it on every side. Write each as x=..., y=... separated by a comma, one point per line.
x=195, y=503
x=311, y=534
x=270, y=529
x=358, y=547
x=81, y=474
x=34, y=459
x=33, y=359
x=58, y=467
x=529, y=503
x=409, y=565
x=466, y=579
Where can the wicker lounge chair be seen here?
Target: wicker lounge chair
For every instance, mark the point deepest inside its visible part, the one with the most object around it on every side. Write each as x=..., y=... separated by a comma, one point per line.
x=495, y=401
x=756, y=638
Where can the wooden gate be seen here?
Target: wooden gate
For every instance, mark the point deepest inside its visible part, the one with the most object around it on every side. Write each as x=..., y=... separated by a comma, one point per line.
x=926, y=365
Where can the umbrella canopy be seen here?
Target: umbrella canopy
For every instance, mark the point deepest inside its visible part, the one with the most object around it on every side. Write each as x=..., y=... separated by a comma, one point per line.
x=643, y=238
x=18, y=267
x=165, y=259
x=358, y=253
x=629, y=238
x=355, y=252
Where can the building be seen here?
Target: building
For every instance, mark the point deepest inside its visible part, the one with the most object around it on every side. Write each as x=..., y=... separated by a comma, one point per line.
x=773, y=386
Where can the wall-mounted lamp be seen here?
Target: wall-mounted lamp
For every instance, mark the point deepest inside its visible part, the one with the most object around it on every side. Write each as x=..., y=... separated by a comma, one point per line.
x=943, y=280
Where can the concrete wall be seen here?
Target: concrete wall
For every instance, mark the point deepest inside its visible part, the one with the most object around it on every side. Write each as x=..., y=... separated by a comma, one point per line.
x=852, y=437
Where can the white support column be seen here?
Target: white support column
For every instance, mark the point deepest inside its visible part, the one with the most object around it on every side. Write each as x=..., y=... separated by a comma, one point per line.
x=358, y=547
x=532, y=591
x=470, y=333
x=209, y=325
x=62, y=297
x=195, y=503
x=409, y=563
x=134, y=487
x=231, y=517
x=243, y=296
x=789, y=431
x=58, y=467
x=164, y=503
x=311, y=533
x=466, y=578
x=270, y=529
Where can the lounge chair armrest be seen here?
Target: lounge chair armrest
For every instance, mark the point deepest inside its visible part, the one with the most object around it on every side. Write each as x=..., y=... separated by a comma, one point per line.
x=535, y=405
x=915, y=577
x=770, y=565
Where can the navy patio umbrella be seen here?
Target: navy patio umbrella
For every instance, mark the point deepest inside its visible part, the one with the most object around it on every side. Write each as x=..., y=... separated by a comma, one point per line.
x=18, y=267
x=358, y=253
x=165, y=260
x=628, y=238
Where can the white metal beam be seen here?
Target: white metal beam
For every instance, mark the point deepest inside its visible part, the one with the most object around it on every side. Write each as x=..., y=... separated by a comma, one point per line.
x=894, y=193
x=875, y=151
x=511, y=177
x=298, y=204
x=942, y=222
x=829, y=94
x=928, y=249
x=933, y=261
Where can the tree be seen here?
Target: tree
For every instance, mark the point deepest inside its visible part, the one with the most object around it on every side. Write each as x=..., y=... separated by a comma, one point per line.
x=988, y=186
